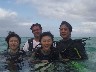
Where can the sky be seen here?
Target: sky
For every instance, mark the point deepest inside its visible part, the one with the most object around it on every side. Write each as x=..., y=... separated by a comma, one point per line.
x=19, y=15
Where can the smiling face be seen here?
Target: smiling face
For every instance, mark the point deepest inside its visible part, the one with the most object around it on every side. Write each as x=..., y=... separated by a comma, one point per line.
x=13, y=43
x=46, y=43
x=64, y=32
x=36, y=30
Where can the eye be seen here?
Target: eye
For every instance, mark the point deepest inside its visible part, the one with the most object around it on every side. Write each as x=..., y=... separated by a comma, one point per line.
x=61, y=29
x=65, y=29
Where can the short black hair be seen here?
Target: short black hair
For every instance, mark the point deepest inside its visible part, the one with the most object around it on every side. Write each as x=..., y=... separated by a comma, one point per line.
x=12, y=34
x=48, y=33
x=36, y=25
x=67, y=24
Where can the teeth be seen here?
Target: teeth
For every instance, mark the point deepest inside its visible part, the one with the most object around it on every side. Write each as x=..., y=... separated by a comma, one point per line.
x=47, y=47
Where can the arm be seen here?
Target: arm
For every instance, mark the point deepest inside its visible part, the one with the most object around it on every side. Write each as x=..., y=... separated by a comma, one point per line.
x=83, y=52
x=81, y=49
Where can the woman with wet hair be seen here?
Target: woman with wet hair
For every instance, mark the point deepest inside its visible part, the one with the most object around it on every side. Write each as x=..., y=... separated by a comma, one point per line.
x=46, y=53
x=13, y=54
x=13, y=37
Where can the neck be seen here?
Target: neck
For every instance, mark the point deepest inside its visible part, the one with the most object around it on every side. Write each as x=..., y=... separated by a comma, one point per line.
x=45, y=51
x=13, y=51
x=36, y=39
x=65, y=39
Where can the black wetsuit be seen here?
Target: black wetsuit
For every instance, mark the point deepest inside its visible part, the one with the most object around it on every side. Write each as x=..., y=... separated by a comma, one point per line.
x=52, y=56
x=17, y=57
x=72, y=49
x=14, y=60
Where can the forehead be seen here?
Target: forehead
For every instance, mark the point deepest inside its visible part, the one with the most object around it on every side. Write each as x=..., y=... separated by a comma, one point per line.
x=13, y=38
x=46, y=38
x=63, y=26
x=35, y=27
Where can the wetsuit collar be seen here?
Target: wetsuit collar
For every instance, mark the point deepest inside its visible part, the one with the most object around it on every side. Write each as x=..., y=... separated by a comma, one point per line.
x=67, y=40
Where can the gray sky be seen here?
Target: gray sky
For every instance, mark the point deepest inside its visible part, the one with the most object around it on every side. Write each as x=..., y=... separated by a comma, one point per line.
x=19, y=15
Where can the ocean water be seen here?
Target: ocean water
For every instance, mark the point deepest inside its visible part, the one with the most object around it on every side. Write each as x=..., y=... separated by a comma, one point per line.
x=84, y=66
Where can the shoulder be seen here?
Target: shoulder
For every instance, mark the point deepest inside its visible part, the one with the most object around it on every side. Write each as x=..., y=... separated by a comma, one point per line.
x=5, y=52
x=54, y=49
x=30, y=40
x=22, y=52
x=79, y=42
x=38, y=52
x=58, y=42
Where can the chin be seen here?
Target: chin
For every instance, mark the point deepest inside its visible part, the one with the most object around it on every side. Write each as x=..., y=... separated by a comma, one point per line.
x=46, y=49
x=64, y=37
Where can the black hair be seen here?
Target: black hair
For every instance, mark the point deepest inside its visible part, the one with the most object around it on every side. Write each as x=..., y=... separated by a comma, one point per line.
x=36, y=25
x=12, y=34
x=46, y=34
x=67, y=24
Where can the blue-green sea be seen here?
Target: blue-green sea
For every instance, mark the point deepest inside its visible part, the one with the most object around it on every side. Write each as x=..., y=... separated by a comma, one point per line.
x=82, y=66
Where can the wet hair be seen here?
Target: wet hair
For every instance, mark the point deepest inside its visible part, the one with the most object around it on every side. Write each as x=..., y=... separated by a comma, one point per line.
x=46, y=34
x=67, y=24
x=12, y=34
x=36, y=25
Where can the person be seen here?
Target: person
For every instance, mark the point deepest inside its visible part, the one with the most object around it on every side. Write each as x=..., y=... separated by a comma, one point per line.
x=46, y=53
x=33, y=42
x=70, y=49
x=14, y=56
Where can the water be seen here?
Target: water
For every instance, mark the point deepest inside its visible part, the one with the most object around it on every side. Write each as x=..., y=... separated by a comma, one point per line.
x=86, y=66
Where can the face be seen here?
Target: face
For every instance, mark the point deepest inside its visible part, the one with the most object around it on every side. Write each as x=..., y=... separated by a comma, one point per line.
x=13, y=43
x=36, y=31
x=64, y=32
x=46, y=43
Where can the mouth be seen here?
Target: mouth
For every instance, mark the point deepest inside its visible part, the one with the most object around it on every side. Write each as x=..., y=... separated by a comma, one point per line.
x=63, y=34
x=46, y=46
x=13, y=46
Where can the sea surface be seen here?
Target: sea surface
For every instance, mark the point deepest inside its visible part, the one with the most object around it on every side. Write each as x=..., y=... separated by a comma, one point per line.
x=84, y=66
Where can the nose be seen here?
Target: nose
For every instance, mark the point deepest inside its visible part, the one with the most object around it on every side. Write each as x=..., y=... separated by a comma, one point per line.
x=63, y=30
x=46, y=42
x=13, y=42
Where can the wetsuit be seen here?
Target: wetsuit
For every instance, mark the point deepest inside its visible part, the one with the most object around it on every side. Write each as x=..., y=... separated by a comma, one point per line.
x=72, y=49
x=52, y=56
x=14, y=59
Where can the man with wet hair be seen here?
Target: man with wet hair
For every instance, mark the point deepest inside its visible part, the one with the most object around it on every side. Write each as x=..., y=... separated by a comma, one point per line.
x=33, y=42
x=70, y=49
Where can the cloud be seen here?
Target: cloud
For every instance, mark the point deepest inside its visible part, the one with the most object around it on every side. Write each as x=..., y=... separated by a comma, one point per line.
x=25, y=23
x=66, y=9
x=7, y=17
x=81, y=11
x=11, y=18
x=54, y=29
x=10, y=21
x=85, y=29
x=7, y=14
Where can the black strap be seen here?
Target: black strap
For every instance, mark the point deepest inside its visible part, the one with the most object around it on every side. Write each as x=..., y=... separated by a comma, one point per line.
x=30, y=42
x=55, y=44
